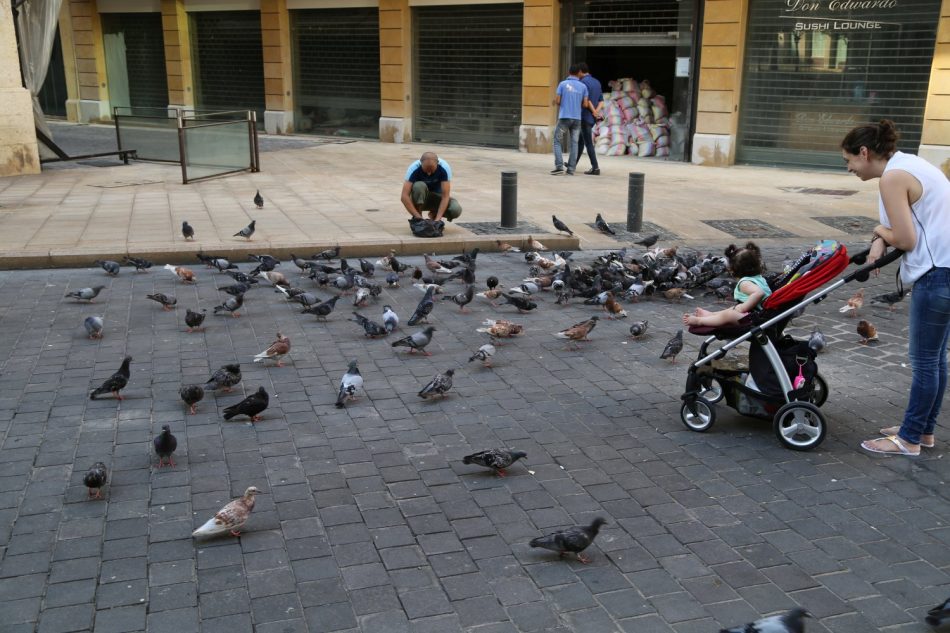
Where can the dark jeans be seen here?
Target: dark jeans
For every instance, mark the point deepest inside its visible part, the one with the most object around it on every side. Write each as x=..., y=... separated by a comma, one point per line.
x=587, y=140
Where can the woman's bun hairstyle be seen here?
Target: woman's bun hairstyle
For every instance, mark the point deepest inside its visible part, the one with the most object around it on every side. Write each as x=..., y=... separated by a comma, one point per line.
x=880, y=138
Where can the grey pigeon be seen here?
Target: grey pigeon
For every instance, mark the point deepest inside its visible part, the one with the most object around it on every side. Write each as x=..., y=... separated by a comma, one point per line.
x=370, y=328
x=139, y=264
x=93, y=325
x=168, y=302
x=484, y=354
x=438, y=386
x=673, y=347
x=602, y=225
x=574, y=540
x=114, y=383
x=940, y=614
x=390, y=318
x=187, y=231
x=648, y=241
x=95, y=478
x=638, y=328
x=300, y=263
x=85, y=294
x=361, y=297
x=322, y=310
x=266, y=263
x=111, y=267
x=235, y=289
x=194, y=319
x=817, y=340
x=191, y=395
x=259, y=200
x=306, y=299
x=223, y=264
x=252, y=406
x=498, y=459
x=247, y=231
x=225, y=377
x=350, y=385
x=424, y=309
x=463, y=298
x=231, y=304
x=392, y=279
x=560, y=226
x=368, y=268
x=327, y=255
x=165, y=444
x=241, y=277
x=791, y=622
x=522, y=303
x=417, y=341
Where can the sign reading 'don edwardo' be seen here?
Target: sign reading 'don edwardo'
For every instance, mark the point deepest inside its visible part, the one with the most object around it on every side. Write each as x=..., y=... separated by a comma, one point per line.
x=839, y=15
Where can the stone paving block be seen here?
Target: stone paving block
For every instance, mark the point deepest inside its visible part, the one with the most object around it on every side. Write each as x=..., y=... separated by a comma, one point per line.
x=333, y=617
x=183, y=620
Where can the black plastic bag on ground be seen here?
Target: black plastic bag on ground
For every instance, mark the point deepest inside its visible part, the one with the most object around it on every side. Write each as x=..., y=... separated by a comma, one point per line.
x=424, y=227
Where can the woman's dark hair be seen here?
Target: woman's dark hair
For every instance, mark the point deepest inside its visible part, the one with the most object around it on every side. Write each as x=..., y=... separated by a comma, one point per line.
x=745, y=262
x=880, y=138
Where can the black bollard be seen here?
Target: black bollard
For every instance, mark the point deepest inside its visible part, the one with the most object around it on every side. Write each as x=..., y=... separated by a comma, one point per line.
x=509, y=199
x=635, y=202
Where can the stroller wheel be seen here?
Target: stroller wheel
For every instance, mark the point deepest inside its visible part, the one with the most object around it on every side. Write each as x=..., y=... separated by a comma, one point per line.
x=799, y=426
x=702, y=420
x=713, y=392
x=820, y=392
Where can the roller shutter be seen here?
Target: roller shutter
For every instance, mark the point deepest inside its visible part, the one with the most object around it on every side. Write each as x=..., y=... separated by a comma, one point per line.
x=137, y=61
x=229, y=65
x=626, y=22
x=468, y=74
x=814, y=69
x=337, y=71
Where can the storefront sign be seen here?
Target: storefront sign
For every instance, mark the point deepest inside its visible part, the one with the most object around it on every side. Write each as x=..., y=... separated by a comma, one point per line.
x=836, y=15
x=817, y=125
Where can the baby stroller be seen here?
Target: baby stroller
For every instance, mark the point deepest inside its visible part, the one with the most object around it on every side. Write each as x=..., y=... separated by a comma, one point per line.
x=781, y=381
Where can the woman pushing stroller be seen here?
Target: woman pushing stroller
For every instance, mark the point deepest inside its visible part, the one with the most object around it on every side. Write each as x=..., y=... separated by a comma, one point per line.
x=751, y=289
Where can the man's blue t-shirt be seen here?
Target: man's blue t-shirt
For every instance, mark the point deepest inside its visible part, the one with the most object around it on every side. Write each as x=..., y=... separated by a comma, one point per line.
x=572, y=93
x=434, y=180
x=595, y=94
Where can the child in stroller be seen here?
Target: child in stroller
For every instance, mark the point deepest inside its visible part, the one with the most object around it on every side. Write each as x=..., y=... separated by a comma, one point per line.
x=750, y=291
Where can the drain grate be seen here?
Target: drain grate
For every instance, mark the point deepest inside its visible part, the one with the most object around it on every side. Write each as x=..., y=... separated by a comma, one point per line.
x=748, y=228
x=850, y=224
x=647, y=228
x=815, y=191
x=494, y=228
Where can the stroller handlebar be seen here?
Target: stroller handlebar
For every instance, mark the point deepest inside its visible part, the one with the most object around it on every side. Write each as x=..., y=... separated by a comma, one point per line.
x=862, y=274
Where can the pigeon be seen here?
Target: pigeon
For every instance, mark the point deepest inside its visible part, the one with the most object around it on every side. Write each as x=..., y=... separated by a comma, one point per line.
x=890, y=299
x=522, y=303
x=168, y=302
x=560, y=226
x=602, y=226
x=506, y=248
x=367, y=267
x=613, y=309
x=438, y=386
x=574, y=540
x=187, y=231
x=258, y=200
x=247, y=231
x=370, y=328
x=676, y=294
x=95, y=478
x=498, y=459
x=327, y=255
x=492, y=282
x=191, y=395
x=855, y=303
x=939, y=614
x=390, y=318
x=114, y=383
x=231, y=517
x=165, y=444
x=277, y=350
x=300, y=263
x=638, y=329
x=266, y=263
x=232, y=305
x=648, y=241
x=252, y=406
x=673, y=347
x=484, y=354
x=867, y=331
x=535, y=245
x=85, y=294
x=500, y=328
x=322, y=310
x=93, y=325
x=224, y=378
x=111, y=267
x=344, y=282
x=194, y=319
x=272, y=276
x=817, y=340
x=791, y=622
x=223, y=264
x=392, y=280
x=463, y=298
x=423, y=309
x=186, y=275
x=139, y=264
x=242, y=278
x=578, y=331
x=350, y=385
x=360, y=298
x=435, y=266
x=235, y=289
x=417, y=341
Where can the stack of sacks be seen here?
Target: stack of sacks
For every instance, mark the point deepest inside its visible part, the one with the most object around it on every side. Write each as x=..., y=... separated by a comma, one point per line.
x=635, y=121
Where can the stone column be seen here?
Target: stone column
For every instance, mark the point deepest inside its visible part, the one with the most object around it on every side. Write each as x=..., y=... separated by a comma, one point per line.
x=720, y=78
x=278, y=75
x=177, y=38
x=93, y=105
x=539, y=75
x=18, y=150
x=935, y=135
x=395, y=71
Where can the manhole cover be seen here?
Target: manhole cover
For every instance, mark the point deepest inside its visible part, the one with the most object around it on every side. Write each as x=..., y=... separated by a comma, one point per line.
x=815, y=191
x=747, y=228
x=646, y=229
x=850, y=224
x=494, y=228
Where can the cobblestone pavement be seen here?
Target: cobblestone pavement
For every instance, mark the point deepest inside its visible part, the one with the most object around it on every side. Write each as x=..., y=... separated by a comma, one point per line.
x=369, y=522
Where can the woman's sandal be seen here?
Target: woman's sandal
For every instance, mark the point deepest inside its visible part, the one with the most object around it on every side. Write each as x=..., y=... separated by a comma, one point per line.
x=894, y=430
x=901, y=447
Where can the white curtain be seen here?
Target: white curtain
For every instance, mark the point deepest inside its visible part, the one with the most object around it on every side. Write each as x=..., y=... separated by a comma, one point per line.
x=37, y=22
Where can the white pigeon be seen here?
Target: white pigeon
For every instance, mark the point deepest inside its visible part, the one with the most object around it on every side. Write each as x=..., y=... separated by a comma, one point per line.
x=390, y=318
x=425, y=287
x=231, y=517
x=484, y=354
x=350, y=385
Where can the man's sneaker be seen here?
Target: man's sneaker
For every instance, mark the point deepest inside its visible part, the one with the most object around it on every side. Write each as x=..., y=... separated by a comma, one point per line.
x=570, y=172
x=557, y=171
x=593, y=171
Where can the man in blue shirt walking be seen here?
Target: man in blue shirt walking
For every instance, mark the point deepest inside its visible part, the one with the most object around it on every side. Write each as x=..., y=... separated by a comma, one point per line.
x=571, y=99
x=590, y=115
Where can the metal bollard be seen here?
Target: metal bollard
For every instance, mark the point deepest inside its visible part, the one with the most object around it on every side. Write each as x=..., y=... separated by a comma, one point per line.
x=635, y=202
x=509, y=199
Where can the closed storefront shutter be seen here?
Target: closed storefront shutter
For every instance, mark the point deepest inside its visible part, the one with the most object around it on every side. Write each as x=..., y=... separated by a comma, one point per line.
x=135, y=59
x=337, y=71
x=229, y=66
x=626, y=22
x=815, y=69
x=468, y=74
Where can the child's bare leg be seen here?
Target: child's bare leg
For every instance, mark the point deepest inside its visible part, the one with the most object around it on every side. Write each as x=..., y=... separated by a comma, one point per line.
x=701, y=312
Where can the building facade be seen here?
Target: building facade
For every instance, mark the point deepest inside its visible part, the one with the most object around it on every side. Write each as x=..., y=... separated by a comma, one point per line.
x=766, y=82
